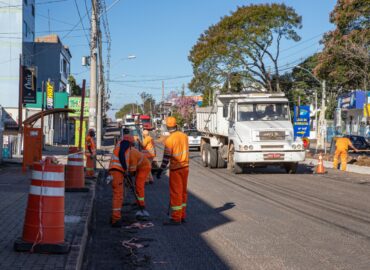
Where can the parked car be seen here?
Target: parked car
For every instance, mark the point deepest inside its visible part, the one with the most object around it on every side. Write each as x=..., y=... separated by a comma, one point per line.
x=359, y=142
x=194, y=138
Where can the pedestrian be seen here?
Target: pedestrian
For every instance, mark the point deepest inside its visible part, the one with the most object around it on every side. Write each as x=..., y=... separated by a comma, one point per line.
x=148, y=147
x=90, y=153
x=341, y=150
x=176, y=152
x=127, y=159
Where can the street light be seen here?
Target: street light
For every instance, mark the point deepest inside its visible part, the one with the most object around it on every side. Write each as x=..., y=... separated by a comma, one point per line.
x=321, y=128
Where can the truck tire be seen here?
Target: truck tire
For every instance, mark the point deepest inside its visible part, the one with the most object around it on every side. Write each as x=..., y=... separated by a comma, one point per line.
x=221, y=163
x=205, y=153
x=231, y=165
x=291, y=168
x=212, y=158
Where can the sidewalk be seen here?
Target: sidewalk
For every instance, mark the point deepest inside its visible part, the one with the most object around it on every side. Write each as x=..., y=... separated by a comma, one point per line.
x=14, y=188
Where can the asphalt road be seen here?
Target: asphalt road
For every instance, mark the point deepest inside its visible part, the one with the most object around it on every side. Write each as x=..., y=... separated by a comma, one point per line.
x=261, y=220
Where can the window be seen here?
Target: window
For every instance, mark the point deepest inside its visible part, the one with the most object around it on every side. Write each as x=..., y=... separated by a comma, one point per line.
x=25, y=2
x=263, y=112
x=33, y=10
x=25, y=28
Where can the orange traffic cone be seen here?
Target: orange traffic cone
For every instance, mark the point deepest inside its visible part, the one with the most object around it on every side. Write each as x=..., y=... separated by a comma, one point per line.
x=75, y=179
x=320, y=169
x=43, y=230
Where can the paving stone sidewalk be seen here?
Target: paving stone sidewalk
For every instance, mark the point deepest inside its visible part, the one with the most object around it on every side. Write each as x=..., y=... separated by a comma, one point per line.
x=14, y=188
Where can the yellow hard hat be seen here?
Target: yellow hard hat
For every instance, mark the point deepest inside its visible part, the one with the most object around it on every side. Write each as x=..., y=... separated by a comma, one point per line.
x=171, y=122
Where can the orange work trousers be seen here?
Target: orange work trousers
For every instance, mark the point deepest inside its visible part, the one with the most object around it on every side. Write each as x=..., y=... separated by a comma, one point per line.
x=141, y=177
x=178, y=193
x=343, y=159
x=117, y=200
x=150, y=176
x=90, y=166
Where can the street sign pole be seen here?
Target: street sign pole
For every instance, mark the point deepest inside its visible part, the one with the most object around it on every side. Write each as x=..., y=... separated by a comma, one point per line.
x=82, y=114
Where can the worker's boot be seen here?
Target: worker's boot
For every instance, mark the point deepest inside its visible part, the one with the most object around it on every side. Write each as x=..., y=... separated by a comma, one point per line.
x=142, y=215
x=117, y=224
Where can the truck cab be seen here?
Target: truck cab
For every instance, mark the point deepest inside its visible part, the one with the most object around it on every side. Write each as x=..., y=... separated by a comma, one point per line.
x=250, y=130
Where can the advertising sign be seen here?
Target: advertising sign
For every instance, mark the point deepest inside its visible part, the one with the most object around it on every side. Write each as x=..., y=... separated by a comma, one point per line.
x=28, y=85
x=49, y=95
x=74, y=103
x=301, y=121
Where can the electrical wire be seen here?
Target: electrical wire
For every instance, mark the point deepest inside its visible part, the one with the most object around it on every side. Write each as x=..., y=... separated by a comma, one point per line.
x=82, y=24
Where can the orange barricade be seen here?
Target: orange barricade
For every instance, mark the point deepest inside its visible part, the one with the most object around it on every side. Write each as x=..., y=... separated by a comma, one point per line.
x=43, y=230
x=75, y=179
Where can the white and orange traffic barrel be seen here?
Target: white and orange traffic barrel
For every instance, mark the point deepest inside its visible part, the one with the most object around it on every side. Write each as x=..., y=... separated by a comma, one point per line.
x=43, y=230
x=75, y=178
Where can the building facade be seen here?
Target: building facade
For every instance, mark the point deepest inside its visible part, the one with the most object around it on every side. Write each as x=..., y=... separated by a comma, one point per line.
x=52, y=61
x=17, y=32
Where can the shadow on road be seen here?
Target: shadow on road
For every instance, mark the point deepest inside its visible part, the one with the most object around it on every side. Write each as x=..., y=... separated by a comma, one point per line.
x=166, y=247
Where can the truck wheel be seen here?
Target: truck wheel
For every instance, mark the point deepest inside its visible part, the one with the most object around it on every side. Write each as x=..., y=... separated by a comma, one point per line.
x=221, y=163
x=205, y=153
x=231, y=165
x=212, y=158
x=291, y=168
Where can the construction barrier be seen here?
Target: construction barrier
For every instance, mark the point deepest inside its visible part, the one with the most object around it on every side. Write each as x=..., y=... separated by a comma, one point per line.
x=43, y=230
x=75, y=179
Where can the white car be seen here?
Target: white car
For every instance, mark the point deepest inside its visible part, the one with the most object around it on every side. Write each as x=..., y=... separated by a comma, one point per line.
x=194, y=138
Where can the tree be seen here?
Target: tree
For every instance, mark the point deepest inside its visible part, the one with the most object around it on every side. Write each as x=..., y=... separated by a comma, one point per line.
x=75, y=88
x=185, y=108
x=345, y=58
x=244, y=43
x=148, y=102
x=128, y=109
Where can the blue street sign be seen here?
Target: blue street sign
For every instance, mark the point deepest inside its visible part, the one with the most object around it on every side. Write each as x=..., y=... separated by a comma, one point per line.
x=301, y=121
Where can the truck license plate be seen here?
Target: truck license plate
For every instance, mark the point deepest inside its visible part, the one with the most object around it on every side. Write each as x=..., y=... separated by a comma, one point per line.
x=273, y=156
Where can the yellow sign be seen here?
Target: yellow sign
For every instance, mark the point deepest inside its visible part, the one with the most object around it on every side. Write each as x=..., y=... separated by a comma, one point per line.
x=77, y=133
x=49, y=95
x=367, y=110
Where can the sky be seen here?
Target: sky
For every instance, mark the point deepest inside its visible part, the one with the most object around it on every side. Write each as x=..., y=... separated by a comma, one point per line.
x=160, y=34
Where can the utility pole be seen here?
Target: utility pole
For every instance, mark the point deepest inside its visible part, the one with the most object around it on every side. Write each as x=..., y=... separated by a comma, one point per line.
x=93, y=64
x=163, y=99
x=322, y=121
x=100, y=94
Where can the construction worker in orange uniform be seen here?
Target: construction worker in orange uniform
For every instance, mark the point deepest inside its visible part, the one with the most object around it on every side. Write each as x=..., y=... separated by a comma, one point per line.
x=149, y=151
x=90, y=153
x=126, y=158
x=176, y=152
x=341, y=150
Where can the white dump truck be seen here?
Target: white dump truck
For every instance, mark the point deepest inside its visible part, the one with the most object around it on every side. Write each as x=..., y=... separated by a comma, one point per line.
x=249, y=130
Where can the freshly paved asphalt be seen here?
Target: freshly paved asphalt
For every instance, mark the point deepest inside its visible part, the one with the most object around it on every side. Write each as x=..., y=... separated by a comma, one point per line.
x=264, y=219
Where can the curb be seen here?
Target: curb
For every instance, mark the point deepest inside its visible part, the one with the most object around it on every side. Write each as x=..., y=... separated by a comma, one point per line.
x=75, y=257
x=350, y=167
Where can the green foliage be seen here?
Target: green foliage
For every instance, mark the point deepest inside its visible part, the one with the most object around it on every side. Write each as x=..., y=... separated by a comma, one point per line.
x=148, y=102
x=75, y=88
x=346, y=58
x=128, y=109
x=179, y=119
x=243, y=43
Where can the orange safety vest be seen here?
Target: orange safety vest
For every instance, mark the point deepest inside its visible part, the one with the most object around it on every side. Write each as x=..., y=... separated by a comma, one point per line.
x=176, y=147
x=134, y=160
x=89, y=141
x=137, y=160
x=149, y=147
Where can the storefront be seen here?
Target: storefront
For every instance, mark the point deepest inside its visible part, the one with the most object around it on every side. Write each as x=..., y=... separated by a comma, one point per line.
x=350, y=118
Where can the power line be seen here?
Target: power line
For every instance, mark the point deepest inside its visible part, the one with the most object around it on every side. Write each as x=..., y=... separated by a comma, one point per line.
x=82, y=24
x=155, y=80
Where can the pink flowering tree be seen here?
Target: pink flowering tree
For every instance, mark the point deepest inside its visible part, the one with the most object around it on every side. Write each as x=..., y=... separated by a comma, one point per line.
x=185, y=108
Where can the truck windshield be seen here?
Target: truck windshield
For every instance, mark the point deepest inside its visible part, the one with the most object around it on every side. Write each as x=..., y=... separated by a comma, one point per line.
x=145, y=121
x=263, y=112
